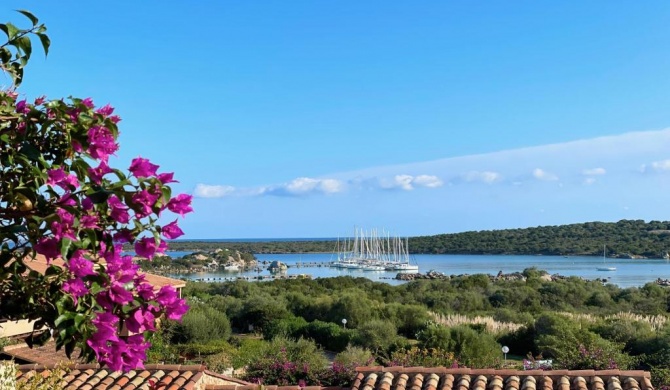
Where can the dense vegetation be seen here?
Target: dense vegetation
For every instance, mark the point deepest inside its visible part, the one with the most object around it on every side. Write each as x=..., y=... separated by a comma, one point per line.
x=623, y=238
x=463, y=321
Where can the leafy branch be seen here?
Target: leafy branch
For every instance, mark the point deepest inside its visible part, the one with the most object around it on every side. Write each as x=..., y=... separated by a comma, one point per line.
x=15, y=53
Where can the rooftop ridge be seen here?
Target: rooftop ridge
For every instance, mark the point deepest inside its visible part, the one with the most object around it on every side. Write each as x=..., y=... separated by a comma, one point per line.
x=443, y=378
x=95, y=366
x=501, y=372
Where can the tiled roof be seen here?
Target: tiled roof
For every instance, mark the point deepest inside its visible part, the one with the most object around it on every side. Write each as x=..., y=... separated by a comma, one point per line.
x=46, y=354
x=158, y=376
x=441, y=378
x=39, y=264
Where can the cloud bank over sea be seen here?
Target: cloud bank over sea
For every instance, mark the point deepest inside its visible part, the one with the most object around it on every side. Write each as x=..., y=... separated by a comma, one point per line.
x=609, y=178
x=575, y=163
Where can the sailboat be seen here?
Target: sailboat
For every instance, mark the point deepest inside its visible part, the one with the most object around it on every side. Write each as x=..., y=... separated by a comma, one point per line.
x=370, y=251
x=605, y=268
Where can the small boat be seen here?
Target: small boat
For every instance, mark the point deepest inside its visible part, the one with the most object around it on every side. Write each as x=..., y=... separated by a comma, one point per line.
x=605, y=268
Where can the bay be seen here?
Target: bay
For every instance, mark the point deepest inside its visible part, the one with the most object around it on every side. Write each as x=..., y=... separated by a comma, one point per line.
x=629, y=272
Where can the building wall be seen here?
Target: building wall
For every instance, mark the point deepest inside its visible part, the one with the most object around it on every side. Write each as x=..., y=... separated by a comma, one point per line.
x=13, y=328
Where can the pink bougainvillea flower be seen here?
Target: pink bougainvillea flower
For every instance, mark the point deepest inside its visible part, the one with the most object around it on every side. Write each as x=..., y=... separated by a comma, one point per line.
x=105, y=110
x=135, y=352
x=124, y=235
x=171, y=231
x=63, y=228
x=142, y=167
x=74, y=114
x=118, y=210
x=118, y=294
x=141, y=320
x=174, y=306
x=180, y=204
x=106, y=332
x=167, y=178
x=40, y=100
x=22, y=107
x=96, y=174
x=75, y=287
x=88, y=222
x=60, y=178
x=65, y=216
x=121, y=269
x=55, y=176
x=49, y=247
x=67, y=199
x=115, y=119
x=162, y=247
x=87, y=204
x=80, y=266
x=144, y=289
x=146, y=247
x=88, y=102
x=76, y=146
x=101, y=143
x=144, y=200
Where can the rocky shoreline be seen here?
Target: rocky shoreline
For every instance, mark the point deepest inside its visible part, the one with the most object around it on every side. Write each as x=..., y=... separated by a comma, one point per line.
x=514, y=276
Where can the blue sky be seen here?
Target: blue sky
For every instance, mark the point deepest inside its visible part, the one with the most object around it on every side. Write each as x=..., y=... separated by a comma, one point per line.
x=305, y=118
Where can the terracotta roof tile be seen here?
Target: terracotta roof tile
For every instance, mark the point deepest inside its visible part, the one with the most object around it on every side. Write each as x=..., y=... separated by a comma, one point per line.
x=440, y=378
x=39, y=264
x=46, y=354
x=92, y=377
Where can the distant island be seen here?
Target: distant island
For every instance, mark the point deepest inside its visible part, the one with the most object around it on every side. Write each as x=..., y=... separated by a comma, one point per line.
x=624, y=239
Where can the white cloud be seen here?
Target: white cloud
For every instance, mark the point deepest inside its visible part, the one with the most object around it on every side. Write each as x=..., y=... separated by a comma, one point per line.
x=656, y=166
x=594, y=172
x=485, y=177
x=588, y=181
x=305, y=186
x=297, y=187
x=428, y=181
x=409, y=182
x=210, y=191
x=543, y=175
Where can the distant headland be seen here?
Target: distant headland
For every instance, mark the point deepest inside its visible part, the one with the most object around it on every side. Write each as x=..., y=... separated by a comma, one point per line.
x=624, y=239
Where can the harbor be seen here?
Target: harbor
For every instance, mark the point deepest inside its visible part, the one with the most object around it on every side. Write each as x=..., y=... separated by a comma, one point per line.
x=629, y=273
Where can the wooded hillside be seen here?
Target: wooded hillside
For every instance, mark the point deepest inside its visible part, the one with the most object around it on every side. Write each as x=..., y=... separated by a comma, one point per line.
x=624, y=238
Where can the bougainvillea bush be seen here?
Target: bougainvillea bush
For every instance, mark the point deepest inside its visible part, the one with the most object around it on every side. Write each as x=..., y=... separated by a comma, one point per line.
x=60, y=198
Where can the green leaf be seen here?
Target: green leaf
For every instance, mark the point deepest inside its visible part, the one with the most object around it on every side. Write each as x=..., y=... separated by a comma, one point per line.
x=46, y=42
x=62, y=318
x=69, y=348
x=29, y=15
x=65, y=246
x=24, y=44
x=12, y=31
x=78, y=319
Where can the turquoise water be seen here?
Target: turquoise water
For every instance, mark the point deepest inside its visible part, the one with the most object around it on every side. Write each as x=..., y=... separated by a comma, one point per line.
x=629, y=272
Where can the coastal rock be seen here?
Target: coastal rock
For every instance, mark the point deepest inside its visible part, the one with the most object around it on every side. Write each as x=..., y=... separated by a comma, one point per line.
x=433, y=275
x=277, y=266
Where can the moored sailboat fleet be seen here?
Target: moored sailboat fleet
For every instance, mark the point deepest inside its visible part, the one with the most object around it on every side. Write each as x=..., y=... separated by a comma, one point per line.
x=370, y=251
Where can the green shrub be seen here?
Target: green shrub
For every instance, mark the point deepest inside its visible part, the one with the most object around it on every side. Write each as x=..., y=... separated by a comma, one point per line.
x=376, y=335
x=287, y=327
x=202, y=324
x=328, y=335
x=471, y=348
x=286, y=362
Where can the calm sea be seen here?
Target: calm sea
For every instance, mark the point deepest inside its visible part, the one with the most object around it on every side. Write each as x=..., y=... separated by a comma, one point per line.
x=629, y=273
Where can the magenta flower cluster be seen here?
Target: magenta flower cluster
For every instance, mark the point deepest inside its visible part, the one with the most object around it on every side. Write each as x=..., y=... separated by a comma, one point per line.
x=91, y=220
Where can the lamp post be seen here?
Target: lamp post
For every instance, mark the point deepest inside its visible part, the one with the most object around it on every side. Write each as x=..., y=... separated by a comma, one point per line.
x=505, y=349
x=344, y=323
